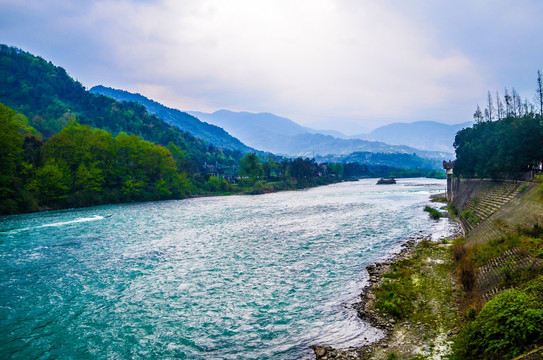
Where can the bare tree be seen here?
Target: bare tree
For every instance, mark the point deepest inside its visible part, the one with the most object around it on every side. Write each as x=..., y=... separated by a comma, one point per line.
x=499, y=107
x=489, y=111
x=540, y=91
x=526, y=107
x=518, y=102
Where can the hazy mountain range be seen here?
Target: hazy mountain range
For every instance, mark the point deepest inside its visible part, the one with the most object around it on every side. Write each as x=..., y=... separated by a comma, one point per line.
x=211, y=133
x=425, y=135
x=246, y=131
x=269, y=132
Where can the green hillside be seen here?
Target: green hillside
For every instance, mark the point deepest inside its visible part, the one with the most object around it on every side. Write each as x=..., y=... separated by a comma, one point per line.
x=49, y=97
x=177, y=118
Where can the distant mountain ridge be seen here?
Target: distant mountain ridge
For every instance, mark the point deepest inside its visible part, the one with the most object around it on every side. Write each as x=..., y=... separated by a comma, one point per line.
x=182, y=120
x=424, y=135
x=268, y=132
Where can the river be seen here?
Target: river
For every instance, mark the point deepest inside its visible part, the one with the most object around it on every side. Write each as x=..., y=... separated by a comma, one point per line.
x=236, y=277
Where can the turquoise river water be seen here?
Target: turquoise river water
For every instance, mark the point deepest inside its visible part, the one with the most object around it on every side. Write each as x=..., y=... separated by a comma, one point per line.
x=238, y=277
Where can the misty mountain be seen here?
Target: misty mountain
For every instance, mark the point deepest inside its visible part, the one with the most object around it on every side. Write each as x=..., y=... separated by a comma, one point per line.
x=211, y=133
x=425, y=135
x=268, y=132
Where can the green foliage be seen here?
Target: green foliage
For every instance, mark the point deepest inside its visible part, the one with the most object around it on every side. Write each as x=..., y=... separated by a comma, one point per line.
x=335, y=169
x=433, y=213
x=452, y=209
x=51, y=182
x=215, y=184
x=11, y=148
x=419, y=290
x=507, y=326
x=470, y=216
x=392, y=356
x=395, y=298
x=391, y=160
x=49, y=97
x=504, y=148
x=251, y=166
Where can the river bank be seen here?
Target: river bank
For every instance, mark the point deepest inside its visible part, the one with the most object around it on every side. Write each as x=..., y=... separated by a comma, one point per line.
x=424, y=330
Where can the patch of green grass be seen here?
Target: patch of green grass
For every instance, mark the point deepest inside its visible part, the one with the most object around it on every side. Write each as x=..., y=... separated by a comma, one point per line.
x=392, y=356
x=440, y=200
x=418, y=289
x=452, y=210
x=433, y=213
x=470, y=217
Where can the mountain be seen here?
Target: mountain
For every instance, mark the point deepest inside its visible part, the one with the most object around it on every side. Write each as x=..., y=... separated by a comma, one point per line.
x=211, y=133
x=49, y=98
x=425, y=135
x=251, y=126
x=268, y=132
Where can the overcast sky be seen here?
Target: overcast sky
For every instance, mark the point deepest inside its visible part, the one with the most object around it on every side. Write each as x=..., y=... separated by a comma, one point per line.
x=348, y=65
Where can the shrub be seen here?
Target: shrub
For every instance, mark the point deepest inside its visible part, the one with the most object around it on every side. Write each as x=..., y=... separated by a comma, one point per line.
x=433, y=213
x=507, y=326
x=470, y=217
x=392, y=356
x=458, y=249
x=395, y=298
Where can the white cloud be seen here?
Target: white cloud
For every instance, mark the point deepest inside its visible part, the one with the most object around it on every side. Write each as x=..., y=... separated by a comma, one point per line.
x=317, y=61
x=332, y=58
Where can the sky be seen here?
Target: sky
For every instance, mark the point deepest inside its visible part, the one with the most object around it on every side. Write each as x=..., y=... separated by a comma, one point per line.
x=346, y=65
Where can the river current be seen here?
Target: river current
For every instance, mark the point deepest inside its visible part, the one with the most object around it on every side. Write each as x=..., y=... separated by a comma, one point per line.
x=237, y=277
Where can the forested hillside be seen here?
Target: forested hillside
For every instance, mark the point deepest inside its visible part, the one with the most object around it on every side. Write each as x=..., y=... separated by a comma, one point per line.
x=186, y=122
x=62, y=146
x=49, y=98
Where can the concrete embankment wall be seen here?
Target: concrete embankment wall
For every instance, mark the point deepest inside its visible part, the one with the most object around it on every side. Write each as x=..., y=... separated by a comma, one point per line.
x=488, y=209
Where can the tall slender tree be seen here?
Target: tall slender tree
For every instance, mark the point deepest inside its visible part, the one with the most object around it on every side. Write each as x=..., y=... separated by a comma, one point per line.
x=540, y=91
x=517, y=103
x=489, y=111
x=499, y=107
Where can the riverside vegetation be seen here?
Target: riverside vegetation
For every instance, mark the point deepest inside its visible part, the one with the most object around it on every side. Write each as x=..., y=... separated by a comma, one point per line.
x=62, y=146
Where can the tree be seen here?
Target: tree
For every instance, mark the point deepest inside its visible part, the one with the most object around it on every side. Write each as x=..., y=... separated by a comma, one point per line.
x=89, y=179
x=508, y=103
x=251, y=166
x=51, y=182
x=270, y=168
x=499, y=108
x=489, y=111
x=478, y=115
x=540, y=91
x=11, y=147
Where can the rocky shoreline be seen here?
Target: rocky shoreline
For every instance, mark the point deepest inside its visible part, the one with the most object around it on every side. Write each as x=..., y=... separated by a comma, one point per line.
x=366, y=308
x=409, y=337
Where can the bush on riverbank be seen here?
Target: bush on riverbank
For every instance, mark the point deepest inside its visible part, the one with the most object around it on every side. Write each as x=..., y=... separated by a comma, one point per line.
x=433, y=213
x=508, y=325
